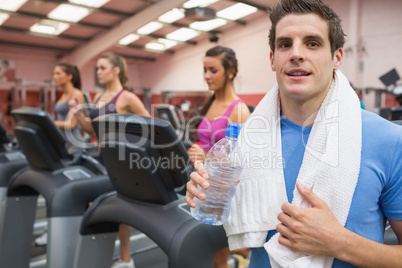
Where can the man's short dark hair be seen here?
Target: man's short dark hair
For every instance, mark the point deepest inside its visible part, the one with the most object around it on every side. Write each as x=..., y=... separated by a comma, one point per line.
x=300, y=7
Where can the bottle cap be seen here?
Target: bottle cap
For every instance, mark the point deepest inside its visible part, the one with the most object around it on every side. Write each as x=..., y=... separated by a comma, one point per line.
x=233, y=130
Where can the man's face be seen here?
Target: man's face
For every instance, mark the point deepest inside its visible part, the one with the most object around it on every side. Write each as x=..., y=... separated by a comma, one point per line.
x=302, y=60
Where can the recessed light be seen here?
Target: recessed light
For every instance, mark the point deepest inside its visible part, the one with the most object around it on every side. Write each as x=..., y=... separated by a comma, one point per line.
x=207, y=25
x=90, y=3
x=3, y=17
x=49, y=27
x=155, y=46
x=182, y=34
x=236, y=11
x=129, y=39
x=11, y=5
x=150, y=28
x=68, y=12
x=172, y=16
x=197, y=3
x=167, y=43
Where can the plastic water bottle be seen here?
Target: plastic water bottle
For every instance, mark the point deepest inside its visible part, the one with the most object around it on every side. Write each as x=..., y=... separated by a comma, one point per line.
x=223, y=164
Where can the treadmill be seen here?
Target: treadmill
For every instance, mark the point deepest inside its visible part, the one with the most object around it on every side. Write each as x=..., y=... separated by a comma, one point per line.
x=146, y=163
x=68, y=183
x=11, y=162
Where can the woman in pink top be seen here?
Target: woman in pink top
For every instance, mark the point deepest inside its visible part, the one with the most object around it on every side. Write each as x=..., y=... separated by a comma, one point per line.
x=220, y=68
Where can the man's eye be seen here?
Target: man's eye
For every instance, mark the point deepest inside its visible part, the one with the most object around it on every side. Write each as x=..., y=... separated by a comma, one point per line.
x=284, y=45
x=313, y=44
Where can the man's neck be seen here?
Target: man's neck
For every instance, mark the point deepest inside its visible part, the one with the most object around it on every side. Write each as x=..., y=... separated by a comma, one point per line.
x=300, y=113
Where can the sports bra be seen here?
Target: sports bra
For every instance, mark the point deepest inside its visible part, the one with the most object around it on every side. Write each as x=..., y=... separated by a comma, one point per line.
x=211, y=131
x=108, y=108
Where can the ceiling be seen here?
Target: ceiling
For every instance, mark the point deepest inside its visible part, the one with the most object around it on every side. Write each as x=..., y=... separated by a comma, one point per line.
x=103, y=27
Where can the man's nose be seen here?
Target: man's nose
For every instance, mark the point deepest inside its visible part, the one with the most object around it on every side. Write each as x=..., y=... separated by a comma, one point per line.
x=296, y=54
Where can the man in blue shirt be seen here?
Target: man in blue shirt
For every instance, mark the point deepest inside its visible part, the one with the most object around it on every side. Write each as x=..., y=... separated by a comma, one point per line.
x=306, y=41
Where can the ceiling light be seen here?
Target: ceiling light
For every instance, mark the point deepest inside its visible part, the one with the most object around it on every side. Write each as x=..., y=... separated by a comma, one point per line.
x=90, y=3
x=11, y=5
x=207, y=25
x=155, y=46
x=3, y=17
x=49, y=27
x=182, y=34
x=236, y=11
x=161, y=44
x=167, y=43
x=150, y=28
x=172, y=15
x=197, y=3
x=129, y=39
x=67, y=12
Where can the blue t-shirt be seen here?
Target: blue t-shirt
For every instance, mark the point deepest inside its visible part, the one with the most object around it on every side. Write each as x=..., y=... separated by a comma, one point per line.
x=378, y=193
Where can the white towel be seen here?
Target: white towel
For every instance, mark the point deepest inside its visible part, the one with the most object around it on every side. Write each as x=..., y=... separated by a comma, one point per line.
x=330, y=168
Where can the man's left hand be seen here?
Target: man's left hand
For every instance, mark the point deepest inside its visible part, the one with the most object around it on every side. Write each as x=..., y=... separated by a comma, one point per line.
x=312, y=231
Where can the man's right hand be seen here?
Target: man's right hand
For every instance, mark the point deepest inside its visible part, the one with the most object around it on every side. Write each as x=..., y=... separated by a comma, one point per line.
x=196, y=178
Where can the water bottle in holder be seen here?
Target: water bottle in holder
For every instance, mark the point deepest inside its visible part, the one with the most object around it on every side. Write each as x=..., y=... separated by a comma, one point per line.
x=223, y=165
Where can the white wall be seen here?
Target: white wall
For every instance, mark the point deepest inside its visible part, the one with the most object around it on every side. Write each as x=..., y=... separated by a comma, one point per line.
x=30, y=64
x=184, y=71
x=381, y=38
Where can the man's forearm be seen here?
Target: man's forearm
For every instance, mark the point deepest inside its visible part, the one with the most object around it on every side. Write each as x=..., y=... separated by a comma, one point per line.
x=363, y=252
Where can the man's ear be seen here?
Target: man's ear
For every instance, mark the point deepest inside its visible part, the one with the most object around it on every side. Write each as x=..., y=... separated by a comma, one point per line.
x=338, y=57
x=271, y=58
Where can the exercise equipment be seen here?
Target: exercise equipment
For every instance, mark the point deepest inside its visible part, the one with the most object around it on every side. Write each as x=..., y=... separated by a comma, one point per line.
x=11, y=161
x=390, y=81
x=170, y=113
x=44, y=88
x=146, y=163
x=7, y=143
x=67, y=182
x=4, y=140
x=10, y=164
